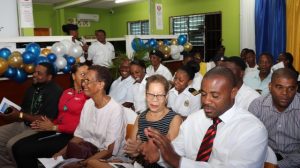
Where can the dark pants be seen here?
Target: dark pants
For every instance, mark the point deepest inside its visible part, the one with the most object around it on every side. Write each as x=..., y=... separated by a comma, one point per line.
x=27, y=150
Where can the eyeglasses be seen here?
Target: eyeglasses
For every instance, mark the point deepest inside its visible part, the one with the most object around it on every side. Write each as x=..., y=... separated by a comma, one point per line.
x=157, y=96
x=87, y=81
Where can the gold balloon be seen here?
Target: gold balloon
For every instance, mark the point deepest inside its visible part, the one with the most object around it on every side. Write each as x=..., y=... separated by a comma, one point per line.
x=22, y=66
x=188, y=47
x=174, y=42
x=160, y=43
x=15, y=53
x=3, y=65
x=46, y=51
x=166, y=50
x=29, y=68
x=15, y=61
x=78, y=60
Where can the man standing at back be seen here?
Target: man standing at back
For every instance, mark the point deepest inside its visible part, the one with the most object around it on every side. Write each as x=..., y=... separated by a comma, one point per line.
x=280, y=112
x=101, y=52
x=219, y=135
x=41, y=99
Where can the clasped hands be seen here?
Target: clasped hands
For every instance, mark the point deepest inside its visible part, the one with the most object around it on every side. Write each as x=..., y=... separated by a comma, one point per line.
x=42, y=125
x=156, y=145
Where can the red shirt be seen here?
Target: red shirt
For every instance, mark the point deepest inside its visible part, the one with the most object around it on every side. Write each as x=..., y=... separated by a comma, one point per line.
x=69, y=110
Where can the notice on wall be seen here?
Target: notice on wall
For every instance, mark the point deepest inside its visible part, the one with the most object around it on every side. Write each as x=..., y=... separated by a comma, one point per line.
x=159, y=16
x=25, y=14
x=8, y=19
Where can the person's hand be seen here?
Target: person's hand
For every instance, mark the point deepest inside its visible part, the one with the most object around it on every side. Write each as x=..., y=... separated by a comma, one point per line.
x=42, y=125
x=150, y=151
x=12, y=116
x=56, y=155
x=165, y=147
x=132, y=147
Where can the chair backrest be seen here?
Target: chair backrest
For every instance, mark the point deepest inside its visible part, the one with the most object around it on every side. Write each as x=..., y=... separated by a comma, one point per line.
x=130, y=119
x=271, y=160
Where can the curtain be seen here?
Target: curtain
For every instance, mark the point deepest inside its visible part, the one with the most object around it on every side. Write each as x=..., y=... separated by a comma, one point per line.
x=293, y=30
x=247, y=24
x=270, y=27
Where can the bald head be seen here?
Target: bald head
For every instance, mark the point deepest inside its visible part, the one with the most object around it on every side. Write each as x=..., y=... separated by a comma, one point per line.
x=224, y=72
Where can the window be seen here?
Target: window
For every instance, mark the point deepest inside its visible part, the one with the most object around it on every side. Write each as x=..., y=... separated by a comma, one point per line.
x=138, y=27
x=192, y=25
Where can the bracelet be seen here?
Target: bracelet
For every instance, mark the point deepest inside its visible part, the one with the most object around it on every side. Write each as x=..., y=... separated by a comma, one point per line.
x=21, y=115
x=54, y=128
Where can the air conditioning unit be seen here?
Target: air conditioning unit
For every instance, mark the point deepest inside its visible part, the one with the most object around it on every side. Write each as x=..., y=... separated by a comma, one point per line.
x=88, y=17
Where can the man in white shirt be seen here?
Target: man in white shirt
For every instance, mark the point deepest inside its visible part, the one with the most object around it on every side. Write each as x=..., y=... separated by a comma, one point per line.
x=251, y=61
x=245, y=94
x=121, y=86
x=156, y=67
x=240, y=138
x=101, y=52
x=136, y=99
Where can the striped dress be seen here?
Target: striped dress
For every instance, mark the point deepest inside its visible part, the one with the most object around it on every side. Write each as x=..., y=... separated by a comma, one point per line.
x=162, y=125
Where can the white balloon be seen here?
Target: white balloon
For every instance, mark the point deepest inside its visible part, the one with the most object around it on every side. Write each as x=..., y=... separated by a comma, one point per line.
x=68, y=44
x=174, y=49
x=181, y=48
x=176, y=56
x=60, y=62
x=59, y=49
x=75, y=51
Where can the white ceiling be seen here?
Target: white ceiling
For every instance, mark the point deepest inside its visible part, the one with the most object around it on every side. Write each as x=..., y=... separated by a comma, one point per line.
x=104, y=4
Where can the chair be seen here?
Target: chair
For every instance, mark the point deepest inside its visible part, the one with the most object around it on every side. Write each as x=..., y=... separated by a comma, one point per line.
x=271, y=160
x=130, y=119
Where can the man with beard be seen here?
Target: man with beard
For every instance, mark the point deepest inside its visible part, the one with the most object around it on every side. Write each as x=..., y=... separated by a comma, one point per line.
x=41, y=99
x=219, y=135
x=280, y=112
x=121, y=86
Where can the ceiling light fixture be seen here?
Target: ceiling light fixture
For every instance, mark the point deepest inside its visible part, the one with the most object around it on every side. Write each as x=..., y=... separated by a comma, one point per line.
x=121, y=1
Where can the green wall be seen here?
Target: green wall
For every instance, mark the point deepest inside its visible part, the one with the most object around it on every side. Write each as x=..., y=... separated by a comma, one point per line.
x=116, y=24
x=46, y=16
x=123, y=14
x=230, y=17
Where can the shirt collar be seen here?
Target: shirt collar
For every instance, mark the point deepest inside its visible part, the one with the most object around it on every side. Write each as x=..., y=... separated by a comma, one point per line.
x=227, y=115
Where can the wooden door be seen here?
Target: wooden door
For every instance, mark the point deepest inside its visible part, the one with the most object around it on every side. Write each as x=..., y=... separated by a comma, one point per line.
x=42, y=32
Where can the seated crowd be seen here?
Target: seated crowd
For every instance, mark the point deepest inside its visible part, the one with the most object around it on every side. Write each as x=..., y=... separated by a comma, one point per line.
x=238, y=114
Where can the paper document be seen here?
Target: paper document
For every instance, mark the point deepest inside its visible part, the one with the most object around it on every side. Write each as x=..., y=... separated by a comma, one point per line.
x=58, y=163
x=5, y=103
x=51, y=162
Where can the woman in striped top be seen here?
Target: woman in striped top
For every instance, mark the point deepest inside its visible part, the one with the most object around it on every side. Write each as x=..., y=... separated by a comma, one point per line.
x=157, y=116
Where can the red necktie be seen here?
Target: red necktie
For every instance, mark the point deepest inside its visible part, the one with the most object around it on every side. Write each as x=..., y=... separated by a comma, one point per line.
x=208, y=141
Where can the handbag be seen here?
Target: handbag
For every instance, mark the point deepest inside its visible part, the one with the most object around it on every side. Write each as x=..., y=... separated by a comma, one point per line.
x=81, y=150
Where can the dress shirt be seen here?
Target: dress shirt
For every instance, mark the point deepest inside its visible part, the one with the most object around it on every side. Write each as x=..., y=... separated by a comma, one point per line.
x=103, y=126
x=241, y=140
x=120, y=88
x=101, y=54
x=252, y=80
x=161, y=70
x=137, y=95
x=248, y=69
x=283, y=128
x=184, y=103
x=197, y=81
x=245, y=96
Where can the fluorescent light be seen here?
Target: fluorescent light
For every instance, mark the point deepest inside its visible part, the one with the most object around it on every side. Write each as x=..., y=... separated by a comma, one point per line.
x=121, y=1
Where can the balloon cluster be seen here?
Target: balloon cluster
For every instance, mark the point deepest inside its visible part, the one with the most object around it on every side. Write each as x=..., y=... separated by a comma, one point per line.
x=17, y=66
x=169, y=48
